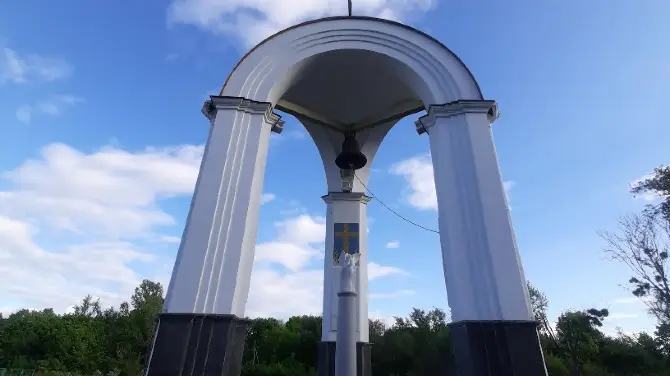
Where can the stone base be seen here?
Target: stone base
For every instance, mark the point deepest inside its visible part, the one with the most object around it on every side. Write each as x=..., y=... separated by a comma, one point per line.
x=501, y=348
x=197, y=344
x=326, y=361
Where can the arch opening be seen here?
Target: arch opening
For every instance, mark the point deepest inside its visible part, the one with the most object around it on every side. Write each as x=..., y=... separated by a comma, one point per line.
x=350, y=89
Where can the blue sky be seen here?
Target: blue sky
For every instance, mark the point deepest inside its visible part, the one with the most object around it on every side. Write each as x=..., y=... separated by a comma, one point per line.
x=101, y=135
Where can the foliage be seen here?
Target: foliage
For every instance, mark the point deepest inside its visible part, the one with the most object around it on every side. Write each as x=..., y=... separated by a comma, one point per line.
x=540, y=304
x=642, y=243
x=93, y=341
x=658, y=184
x=578, y=336
x=114, y=342
x=86, y=341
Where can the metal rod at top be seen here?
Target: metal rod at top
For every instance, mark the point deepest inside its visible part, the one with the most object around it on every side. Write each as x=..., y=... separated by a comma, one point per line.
x=350, y=6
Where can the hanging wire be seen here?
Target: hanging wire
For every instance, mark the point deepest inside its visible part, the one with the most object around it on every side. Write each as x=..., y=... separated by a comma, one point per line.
x=391, y=210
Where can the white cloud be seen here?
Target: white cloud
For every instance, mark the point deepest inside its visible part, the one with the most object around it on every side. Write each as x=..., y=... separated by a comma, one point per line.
x=254, y=20
x=508, y=185
x=53, y=106
x=393, y=244
x=388, y=320
x=296, y=242
x=110, y=192
x=302, y=230
x=629, y=300
x=377, y=271
x=418, y=174
x=170, y=239
x=622, y=316
x=282, y=295
x=291, y=256
x=73, y=223
x=267, y=197
x=85, y=206
x=646, y=196
x=18, y=68
x=24, y=114
x=61, y=277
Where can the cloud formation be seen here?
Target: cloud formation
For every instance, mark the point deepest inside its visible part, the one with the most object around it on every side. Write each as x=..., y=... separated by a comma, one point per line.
x=377, y=271
x=299, y=240
x=420, y=192
x=32, y=276
x=646, y=196
x=75, y=223
x=254, y=20
x=52, y=106
x=19, y=69
x=110, y=193
x=393, y=244
x=297, y=288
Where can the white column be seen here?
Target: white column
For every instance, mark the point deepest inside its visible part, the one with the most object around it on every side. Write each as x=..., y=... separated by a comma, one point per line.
x=345, y=208
x=482, y=268
x=213, y=267
x=345, y=350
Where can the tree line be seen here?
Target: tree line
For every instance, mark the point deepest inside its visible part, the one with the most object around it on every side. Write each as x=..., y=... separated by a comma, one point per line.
x=115, y=341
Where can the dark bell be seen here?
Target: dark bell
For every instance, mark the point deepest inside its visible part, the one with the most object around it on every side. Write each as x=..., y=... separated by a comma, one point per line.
x=351, y=158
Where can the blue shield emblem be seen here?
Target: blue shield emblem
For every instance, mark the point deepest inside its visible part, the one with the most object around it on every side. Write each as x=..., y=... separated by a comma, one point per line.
x=346, y=239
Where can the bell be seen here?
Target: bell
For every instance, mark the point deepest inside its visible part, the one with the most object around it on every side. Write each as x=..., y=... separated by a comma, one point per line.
x=351, y=158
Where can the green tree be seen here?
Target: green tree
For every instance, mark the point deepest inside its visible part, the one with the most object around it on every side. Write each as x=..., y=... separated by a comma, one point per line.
x=642, y=243
x=113, y=342
x=540, y=304
x=146, y=303
x=630, y=355
x=578, y=336
x=415, y=345
x=657, y=183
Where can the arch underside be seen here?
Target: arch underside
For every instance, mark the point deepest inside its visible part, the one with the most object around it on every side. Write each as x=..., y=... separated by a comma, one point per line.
x=349, y=73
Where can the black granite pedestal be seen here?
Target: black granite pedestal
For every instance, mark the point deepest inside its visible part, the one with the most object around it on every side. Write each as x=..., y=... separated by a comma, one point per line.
x=326, y=361
x=197, y=345
x=500, y=348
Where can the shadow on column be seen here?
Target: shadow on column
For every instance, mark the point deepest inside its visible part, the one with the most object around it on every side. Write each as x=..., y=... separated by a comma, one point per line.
x=501, y=348
x=198, y=344
x=326, y=361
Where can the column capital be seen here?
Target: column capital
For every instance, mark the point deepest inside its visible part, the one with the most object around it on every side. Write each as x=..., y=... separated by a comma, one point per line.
x=346, y=196
x=215, y=103
x=459, y=107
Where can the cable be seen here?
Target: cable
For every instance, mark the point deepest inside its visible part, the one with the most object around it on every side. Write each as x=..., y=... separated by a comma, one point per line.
x=389, y=209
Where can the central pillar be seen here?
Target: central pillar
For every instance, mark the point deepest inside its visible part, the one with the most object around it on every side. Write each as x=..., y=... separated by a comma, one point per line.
x=344, y=208
x=202, y=329
x=346, y=204
x=493, y=330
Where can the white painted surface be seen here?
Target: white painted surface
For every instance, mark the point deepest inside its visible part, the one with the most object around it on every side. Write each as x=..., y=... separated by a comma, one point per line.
x=329, y=144
x=345, y=345
x=481, y=263
x=483, y=272
x=349, y=263
x=426, y=67
x=345, y=208
x=213, y=267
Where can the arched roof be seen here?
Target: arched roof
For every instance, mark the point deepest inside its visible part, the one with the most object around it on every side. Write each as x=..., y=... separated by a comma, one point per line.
x=433, y=71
